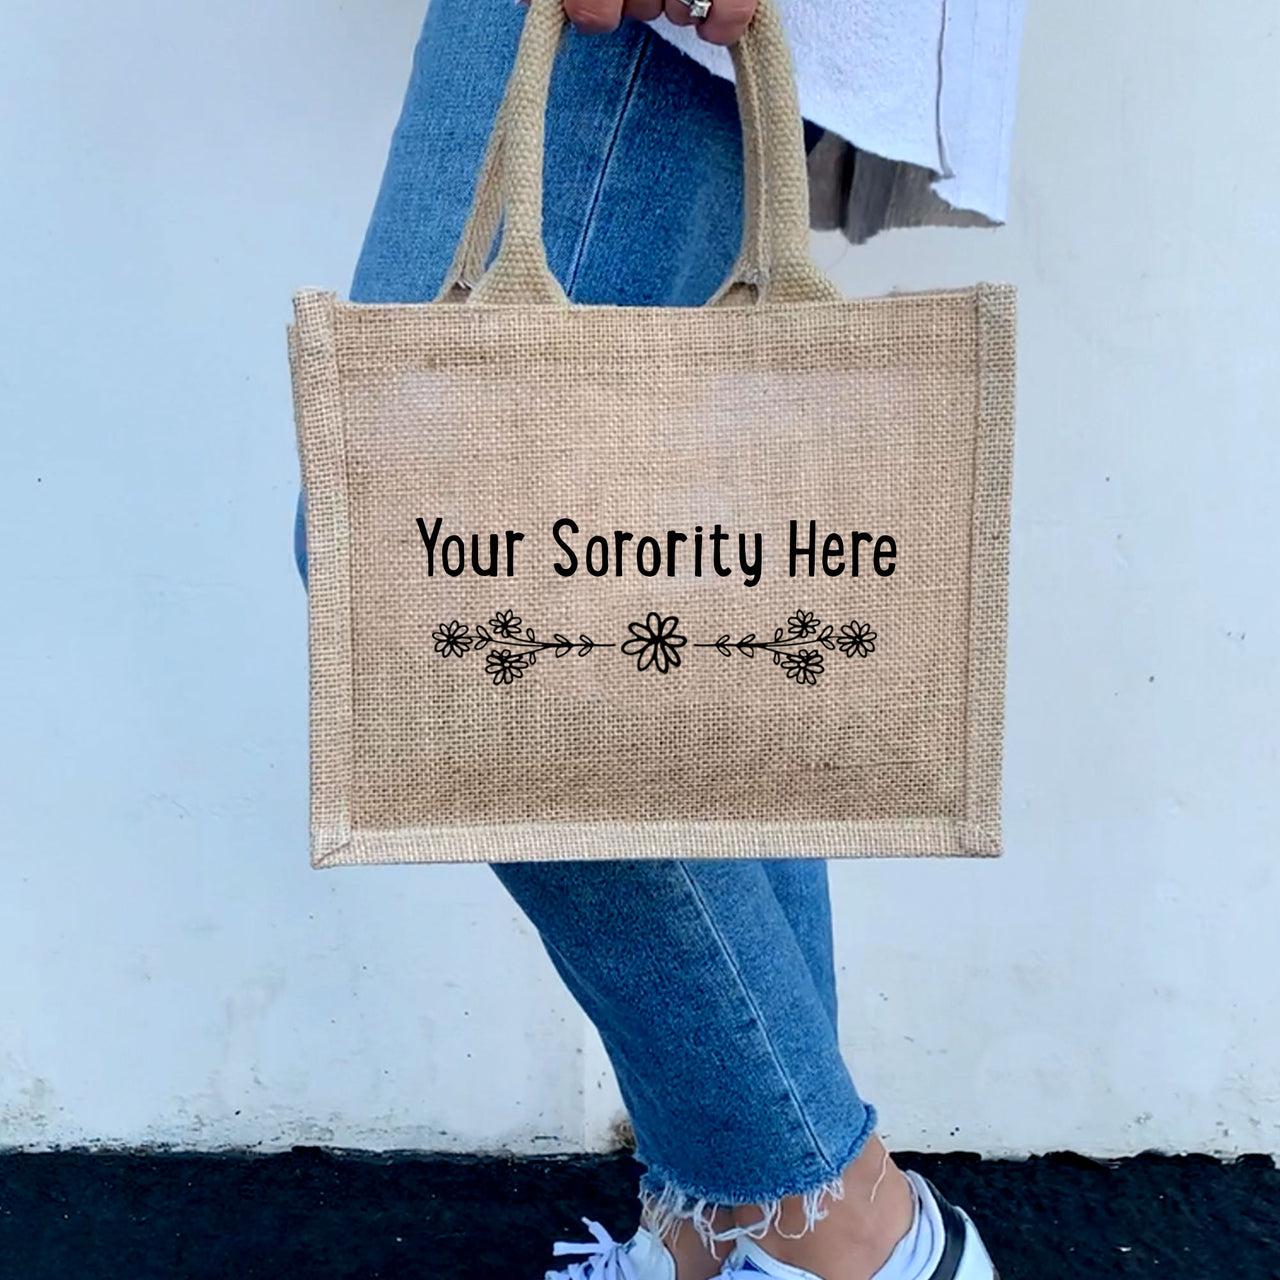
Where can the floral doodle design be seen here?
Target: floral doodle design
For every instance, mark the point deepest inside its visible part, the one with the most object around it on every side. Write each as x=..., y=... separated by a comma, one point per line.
x=803, y=665
x=505, y=624
x=514, y=650
x=656, y=643
x=505, y=666
x=857, y=639
x=802, y=624
x=452, y=640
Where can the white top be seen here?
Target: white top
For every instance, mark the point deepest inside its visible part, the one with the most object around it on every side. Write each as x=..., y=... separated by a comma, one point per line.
x=932, y=82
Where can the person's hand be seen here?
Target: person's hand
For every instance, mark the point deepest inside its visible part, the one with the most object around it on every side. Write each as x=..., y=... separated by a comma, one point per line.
x=725, y=23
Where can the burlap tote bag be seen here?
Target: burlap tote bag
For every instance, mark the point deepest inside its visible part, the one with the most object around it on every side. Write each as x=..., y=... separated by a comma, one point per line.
x=633, y=582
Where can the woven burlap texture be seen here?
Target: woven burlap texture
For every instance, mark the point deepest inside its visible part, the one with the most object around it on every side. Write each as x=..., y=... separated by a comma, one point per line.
x=502, y=407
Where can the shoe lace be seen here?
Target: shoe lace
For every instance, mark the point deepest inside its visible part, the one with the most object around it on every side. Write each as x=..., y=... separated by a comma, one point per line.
x=603, y=1260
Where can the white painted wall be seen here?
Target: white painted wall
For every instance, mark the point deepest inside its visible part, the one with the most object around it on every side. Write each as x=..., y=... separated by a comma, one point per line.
x=172, y=971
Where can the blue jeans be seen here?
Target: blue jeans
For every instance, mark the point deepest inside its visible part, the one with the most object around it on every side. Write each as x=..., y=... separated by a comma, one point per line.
x=712, y=983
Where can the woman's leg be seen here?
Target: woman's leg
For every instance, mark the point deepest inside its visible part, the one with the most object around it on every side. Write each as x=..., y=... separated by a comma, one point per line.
x=803, y=893
x=723, y=1044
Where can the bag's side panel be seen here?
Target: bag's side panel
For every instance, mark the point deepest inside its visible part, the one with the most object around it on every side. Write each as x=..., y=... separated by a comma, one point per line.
x=988, y=629
x=322, y=449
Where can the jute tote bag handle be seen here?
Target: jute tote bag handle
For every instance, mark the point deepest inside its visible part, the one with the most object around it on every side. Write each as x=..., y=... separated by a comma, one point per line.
x=773, y=264
x=745, y=281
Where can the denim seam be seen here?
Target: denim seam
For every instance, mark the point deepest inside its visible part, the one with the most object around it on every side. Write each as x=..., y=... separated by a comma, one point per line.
x=575, y=266
x=756, y=1015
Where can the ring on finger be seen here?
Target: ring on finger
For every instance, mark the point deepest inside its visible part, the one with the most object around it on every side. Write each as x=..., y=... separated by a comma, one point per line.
x=698, y=9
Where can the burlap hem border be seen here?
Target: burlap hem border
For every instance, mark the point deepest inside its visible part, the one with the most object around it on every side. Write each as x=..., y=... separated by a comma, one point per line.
x=996, y=306
x=567, y=841
x=313, y=354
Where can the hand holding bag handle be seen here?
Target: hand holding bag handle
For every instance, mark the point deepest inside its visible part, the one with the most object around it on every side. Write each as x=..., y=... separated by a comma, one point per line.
x=773, y=264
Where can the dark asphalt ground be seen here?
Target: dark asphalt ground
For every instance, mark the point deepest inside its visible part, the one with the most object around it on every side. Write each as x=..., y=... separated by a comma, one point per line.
x=317, y=1215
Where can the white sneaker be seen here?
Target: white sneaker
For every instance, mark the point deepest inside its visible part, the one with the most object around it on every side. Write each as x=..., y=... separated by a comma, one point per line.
x=963, y=1256
x=643, y=1257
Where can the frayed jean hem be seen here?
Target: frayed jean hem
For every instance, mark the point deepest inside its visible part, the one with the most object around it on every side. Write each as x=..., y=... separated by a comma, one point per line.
x=666, y=1201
